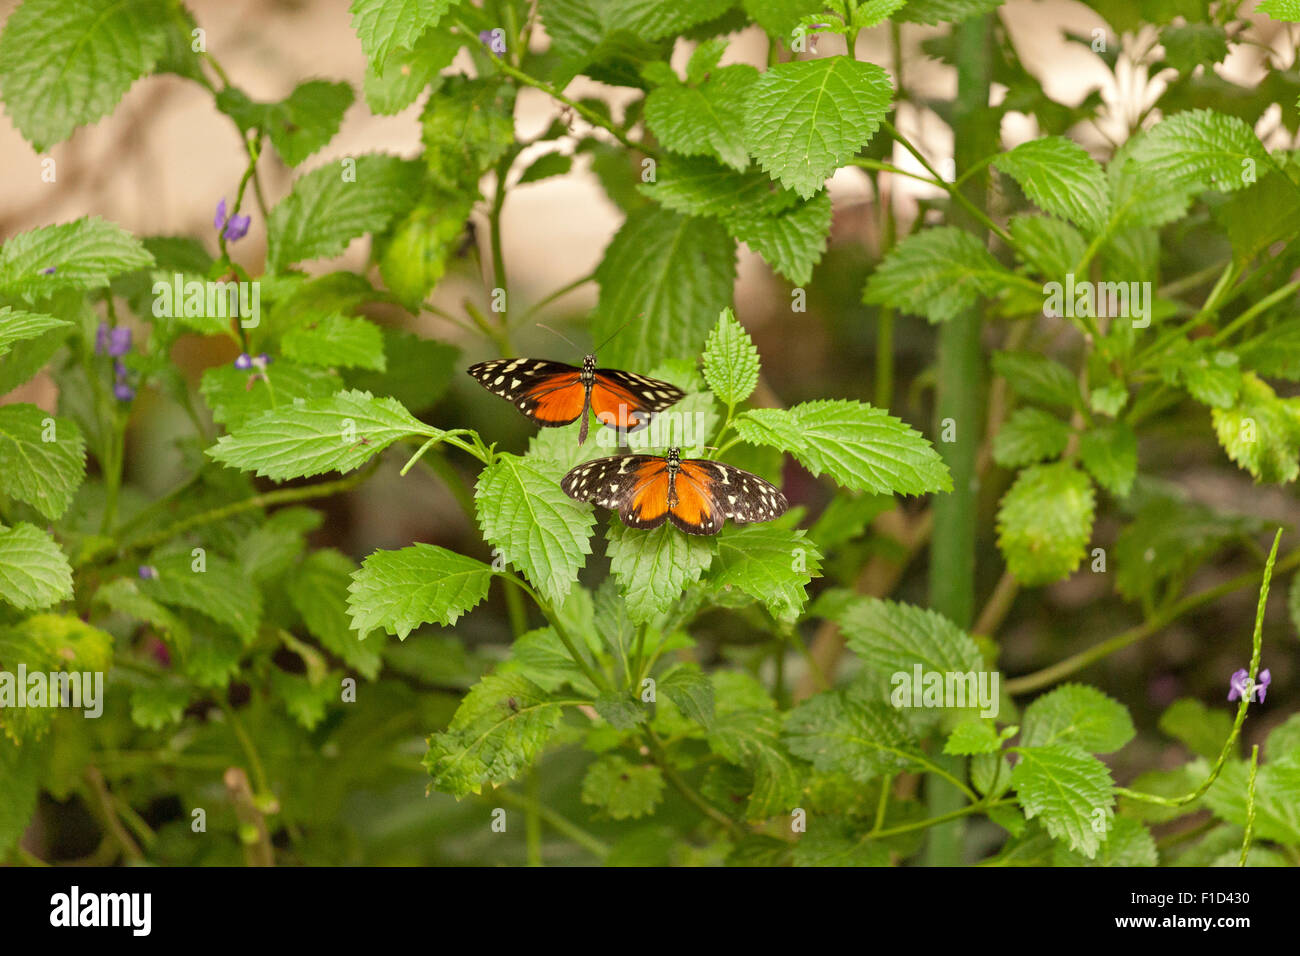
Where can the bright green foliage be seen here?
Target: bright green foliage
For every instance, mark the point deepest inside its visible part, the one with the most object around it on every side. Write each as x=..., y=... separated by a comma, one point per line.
x=807, y=117
x=42, y=458
x=1077, y=714
x=937, y=273
x=1201, y=730
x=300, y=124
x=621, y=789
x=771, y=565
x=34, y=573
x=209, y=584
x=83, y=254
x=1029, y=436
x=395, y=84
x=538, y=528
x=337, y=340
x=730, y=360
x=1044, y=522
x=703, y=117
x=654, y=567
x=1261, y=432
x=1038, y=379
x=846, y=732
x=312, y=437
x=400, y=590
x=892, y=637
x=1109, y=452
x=1069, y=790
x=1061, y=178
x=386, y=25
x=16, y=325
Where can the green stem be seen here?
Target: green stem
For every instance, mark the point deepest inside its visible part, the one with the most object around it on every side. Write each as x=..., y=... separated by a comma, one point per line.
x=532, y=818
x=554, y=820
x=1250, y=805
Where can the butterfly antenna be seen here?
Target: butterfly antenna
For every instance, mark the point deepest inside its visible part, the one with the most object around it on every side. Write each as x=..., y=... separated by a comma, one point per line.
x=542, y=325
x=614, y=333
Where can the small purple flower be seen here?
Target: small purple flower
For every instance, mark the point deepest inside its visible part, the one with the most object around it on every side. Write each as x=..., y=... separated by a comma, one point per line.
x=262, y=361
x=244, y=362
x=49, y=270
x=147, y=572
x=1242, y=687
x=123, y=392
x=236, y=227
x=120, y=369
x=493, y=40
x=114, y=341
x=101, y=338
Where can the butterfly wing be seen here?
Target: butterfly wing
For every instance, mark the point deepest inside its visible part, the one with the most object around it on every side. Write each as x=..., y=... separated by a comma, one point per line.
x=709, y=491
x=549, y=393
x=625, y=400
x=635, y=485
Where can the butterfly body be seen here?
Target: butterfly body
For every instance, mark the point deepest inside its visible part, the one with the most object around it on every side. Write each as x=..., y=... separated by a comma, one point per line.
x=553, y=393
x=695, y=494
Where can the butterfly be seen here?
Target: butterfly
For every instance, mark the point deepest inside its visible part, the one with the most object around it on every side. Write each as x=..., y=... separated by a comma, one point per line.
x=695, y=494
x=552, y=393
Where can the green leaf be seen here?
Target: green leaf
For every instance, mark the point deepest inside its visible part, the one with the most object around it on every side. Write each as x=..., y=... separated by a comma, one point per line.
x=654, y=567
x=386, y=25
x=414, y=257
x=336, y=340
x=537, y=527
x=159, y=704
x=937, y=273
x=946, y=11
x=318, y=590
x=972, y=736
x=667, y=275
x=791, y=241
x=467, y=126
x=702, y=187
x=1080, y=715
x=500, y=728
x=862, y=448
x=422, y=584
x=42, y=458
x=1070, y=790
x=418, y=371
x=1109, y=452
x=731, y=363
x=1128, y=843
x=312, y=437
x=546, y=166
x=1044, y=522
x=621, y=709
x=16, y=325
x=297, y=126
x=1029, y=436
x=780, y=17
x=752, y=739
x=216, y=588
x=690, y=691
x=395, y=84
x=238, y=395
x=66, y=64
x=1277, y=813
x=1061, y=178
x=20, y=770
x=1201, y=730
x=34, y=572
x=1050, y=247
x=336, y=203
x=124, y=596
x=892, y=638
x=84, y=254
x=542, y=657
x=1194, y=44
x=1261, y=432
x=842, y=731
x=1288, y=10
x=622, y=789
x=840, y=843
x=771, y=565
x=1200, y=149
x=1039, y=379
x=705, y=118
x=807, y=117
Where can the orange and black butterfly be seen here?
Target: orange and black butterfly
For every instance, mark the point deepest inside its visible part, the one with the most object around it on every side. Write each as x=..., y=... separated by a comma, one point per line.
x=552, y=393
x=695, y=494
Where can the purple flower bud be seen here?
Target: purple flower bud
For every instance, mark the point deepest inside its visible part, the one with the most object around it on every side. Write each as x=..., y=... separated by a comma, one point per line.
x=244, y=362
x=49, y=270
x=123, y=392
x=262, y=361
x=119, y=341
x=220, y=219
x=147, y=572
x=120, y=369
x=1265, y=678
x=101, y=338
x=237, y=228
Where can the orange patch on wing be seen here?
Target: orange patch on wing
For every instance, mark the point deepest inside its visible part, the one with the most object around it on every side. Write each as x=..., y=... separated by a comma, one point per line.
x=558, y=399
x=616, y=407
x=694, y=503
x=650, y=496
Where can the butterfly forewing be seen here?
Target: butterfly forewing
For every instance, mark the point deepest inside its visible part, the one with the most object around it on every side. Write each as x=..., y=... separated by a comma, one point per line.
x=609, y=482
x=627, y=400
x=549, y=393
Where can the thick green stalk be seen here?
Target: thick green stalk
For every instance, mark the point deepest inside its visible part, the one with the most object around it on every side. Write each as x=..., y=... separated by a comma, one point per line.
x=960, y=399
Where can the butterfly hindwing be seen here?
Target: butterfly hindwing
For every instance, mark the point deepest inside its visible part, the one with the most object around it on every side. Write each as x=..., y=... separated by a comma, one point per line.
x=549, y=393
x=737, y=494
